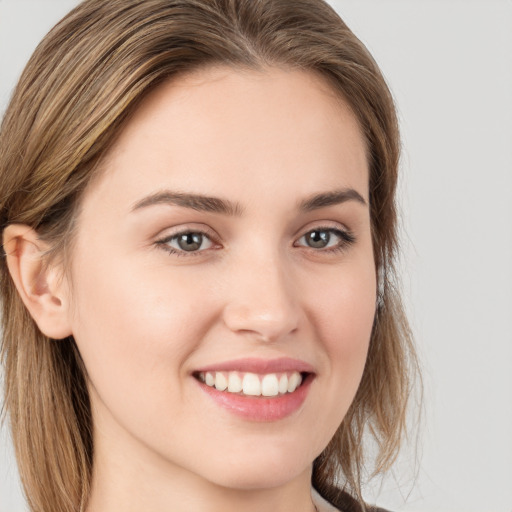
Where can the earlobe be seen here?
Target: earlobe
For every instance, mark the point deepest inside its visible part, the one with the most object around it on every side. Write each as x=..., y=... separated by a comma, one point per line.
x=42, y=288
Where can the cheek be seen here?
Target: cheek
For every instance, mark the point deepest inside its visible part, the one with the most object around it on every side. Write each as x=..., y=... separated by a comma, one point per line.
x=344, y=321
x=135, y=329
x=346, y=306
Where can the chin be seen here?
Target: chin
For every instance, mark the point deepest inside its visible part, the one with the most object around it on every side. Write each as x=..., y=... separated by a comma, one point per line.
x=257, y=480
x=262, y=470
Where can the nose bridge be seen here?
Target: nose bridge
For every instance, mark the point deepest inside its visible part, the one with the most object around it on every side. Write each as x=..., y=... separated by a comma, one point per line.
x=262, y=300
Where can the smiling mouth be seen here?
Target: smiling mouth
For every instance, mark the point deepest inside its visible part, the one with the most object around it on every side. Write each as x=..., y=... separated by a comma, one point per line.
x=253, y=384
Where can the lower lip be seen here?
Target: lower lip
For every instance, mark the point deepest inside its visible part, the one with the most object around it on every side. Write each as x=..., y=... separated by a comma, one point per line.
x=260, y=408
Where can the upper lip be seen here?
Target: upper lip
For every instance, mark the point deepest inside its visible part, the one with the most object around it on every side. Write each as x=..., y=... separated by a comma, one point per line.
x=258, y=365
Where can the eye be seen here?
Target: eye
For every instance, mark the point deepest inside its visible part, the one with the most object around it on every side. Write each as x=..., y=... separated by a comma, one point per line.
x=326, y=238
x=187, y=242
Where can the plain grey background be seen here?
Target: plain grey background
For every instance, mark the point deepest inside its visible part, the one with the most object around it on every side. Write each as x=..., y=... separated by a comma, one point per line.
x=449, y=65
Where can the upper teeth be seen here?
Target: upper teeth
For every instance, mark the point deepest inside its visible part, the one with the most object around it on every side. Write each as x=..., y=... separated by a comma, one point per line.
x=252, y=384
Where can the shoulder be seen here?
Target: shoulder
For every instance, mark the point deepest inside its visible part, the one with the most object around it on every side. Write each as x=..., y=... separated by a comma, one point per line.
x=343, y=503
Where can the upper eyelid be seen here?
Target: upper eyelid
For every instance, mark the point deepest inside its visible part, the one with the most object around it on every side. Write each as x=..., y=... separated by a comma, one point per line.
x=170, y=233
x=326, y=228
x=328, y=225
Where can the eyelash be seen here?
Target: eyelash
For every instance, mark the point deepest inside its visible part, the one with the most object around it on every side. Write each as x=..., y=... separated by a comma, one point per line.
x=346, y=237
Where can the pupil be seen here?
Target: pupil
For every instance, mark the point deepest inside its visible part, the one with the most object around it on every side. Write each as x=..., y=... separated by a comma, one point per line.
x=190, y=241
x=318, y=239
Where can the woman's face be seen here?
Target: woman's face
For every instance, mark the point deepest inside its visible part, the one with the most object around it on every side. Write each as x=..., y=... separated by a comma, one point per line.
x=226, y=242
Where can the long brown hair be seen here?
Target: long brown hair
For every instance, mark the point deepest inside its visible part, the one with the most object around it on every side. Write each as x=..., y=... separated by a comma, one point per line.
x=82, y=83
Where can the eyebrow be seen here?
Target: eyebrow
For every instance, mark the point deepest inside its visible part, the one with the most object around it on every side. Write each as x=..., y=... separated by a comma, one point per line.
x=332, y=198
x=210, y=204
x=193, y=201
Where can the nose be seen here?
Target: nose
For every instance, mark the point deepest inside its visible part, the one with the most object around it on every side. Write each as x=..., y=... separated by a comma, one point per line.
x=262, y=301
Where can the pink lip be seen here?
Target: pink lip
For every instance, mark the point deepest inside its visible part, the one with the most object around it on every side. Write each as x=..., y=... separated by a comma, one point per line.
x=256, y=365
x=260, y=408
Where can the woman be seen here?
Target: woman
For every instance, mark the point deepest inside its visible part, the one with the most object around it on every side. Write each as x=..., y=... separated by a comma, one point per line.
x=199, y=228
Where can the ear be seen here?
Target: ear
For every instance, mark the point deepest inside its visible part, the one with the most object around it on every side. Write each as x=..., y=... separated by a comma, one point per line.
x=42, y=288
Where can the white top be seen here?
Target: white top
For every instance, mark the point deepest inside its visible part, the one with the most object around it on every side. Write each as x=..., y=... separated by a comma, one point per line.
x=320, y=503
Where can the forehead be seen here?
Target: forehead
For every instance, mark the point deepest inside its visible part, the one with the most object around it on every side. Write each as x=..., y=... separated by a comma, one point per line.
x=244, y=130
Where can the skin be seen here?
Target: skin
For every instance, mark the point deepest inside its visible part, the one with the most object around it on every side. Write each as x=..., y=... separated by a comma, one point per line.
x=145, y=319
